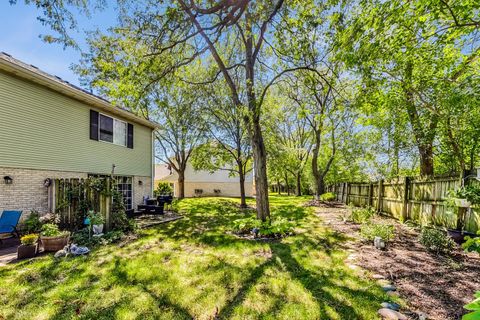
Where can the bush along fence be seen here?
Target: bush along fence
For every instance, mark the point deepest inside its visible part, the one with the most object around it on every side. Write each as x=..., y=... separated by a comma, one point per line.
x=71, y=199
x=424, y=201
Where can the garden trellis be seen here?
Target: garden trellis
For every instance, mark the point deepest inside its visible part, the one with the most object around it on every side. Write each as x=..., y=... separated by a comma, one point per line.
x=72, y=198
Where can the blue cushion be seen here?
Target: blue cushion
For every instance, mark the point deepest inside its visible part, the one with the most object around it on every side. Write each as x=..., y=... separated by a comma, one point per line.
x=9, y=220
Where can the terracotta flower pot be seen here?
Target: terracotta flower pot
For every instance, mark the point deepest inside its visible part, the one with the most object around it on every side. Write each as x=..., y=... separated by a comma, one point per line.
x=27, y=251
x=53, y=244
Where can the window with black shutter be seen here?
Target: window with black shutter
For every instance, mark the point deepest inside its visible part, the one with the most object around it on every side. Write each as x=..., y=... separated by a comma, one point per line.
x=130, y=136
x=108, y=129
x=93, y=125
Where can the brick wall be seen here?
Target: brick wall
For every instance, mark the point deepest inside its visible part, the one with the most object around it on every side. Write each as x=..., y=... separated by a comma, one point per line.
x=141, y=190
x=27, y=191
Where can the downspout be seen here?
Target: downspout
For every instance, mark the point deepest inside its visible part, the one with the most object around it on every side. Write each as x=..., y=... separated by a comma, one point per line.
x=152, y=173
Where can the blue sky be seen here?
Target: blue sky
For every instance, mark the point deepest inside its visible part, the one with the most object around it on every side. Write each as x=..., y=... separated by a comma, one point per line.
x=20, y=38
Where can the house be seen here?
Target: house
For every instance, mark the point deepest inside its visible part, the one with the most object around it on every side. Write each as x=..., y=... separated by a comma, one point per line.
x=50, y=129
x=204, y=183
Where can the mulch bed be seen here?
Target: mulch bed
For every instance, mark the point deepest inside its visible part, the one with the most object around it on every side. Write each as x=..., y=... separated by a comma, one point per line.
x=437, y=286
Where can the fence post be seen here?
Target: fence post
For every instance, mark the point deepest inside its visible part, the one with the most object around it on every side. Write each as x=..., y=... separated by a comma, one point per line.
x=370, y=194
x=348, y=193
x=380, y=195
x=406, y=194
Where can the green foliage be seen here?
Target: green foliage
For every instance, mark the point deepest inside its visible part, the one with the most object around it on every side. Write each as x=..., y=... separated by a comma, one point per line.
x=119, y=218
x=470, y=192
x=29, y=239
x=371, y=230
x=473, y=306
x=163, y=188
x=361, y=215
x=436, y=240
x=245, y=225
x=51, y=230
x=472, y=244
x=276, y=227
x=96, y=218
x=329, y=196
x=32, y=224
x=83, y=237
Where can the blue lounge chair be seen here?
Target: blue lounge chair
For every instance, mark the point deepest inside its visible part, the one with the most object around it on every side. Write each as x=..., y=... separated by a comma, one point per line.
x=8, y=221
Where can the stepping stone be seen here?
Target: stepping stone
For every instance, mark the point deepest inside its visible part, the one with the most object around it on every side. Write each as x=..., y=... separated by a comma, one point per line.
x=391, y=306
x=391, y=314
x=389, y=287
x=393, y=293
x=383, y=282
x=352, y=257
x=378, y=276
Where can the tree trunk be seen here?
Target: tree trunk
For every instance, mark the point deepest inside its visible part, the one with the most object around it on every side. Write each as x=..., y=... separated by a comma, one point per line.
x=299, y=184
x=279, y=187
x=426, y=160
x=320, y=187
x=243, y=203
x=181, y=184
x=287, y=186
x=261, y=182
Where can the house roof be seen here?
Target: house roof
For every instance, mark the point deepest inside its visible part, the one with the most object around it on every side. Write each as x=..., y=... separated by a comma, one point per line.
x=34, y=74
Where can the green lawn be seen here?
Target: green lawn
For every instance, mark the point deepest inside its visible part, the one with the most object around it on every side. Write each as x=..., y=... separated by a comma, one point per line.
x=193, y=268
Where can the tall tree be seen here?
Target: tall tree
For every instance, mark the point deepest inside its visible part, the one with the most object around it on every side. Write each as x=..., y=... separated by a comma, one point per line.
x=228, y=148
x=115, y=68
x=407, y=51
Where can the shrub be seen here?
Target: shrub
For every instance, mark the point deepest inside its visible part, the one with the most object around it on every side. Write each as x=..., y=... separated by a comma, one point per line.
x=32, y=223
x=51, y=230
x=472, y=244
x=361, y=215
x=84, y=238
x=473, y=306
x=371, y=230
x=270, y=228
x=329, y=196
x=436, y=240
x=29, y=239
x=163, y=188
x=276, y=227
x=245, y=225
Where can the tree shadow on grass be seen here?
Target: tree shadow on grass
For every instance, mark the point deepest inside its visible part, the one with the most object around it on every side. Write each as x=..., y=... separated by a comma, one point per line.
x=318, y=284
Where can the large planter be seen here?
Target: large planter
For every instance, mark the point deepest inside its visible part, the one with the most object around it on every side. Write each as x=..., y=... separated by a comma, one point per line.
x=27, y=251
x=53, y=244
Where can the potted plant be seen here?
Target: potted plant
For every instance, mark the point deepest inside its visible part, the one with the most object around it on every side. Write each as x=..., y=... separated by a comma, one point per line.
x=96, y=222
x=52, y=238
x=29, y=246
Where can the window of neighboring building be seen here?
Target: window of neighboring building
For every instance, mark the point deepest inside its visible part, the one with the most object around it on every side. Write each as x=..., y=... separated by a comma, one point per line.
x=112, y=130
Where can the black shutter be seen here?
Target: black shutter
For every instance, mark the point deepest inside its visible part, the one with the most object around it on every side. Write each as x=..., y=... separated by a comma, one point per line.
x=130, y=136
x=93, y=125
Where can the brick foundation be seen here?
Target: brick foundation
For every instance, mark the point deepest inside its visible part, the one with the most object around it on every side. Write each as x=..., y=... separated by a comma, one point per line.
x=27, y=191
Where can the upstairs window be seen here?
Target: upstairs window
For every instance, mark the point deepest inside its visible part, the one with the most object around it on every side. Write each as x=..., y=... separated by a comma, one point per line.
x=108, y=129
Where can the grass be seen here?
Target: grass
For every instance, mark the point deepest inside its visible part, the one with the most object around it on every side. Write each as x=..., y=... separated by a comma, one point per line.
x=193, y=268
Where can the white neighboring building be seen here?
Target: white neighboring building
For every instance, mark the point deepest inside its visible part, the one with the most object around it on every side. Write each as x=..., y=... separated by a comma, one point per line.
x=204, y=183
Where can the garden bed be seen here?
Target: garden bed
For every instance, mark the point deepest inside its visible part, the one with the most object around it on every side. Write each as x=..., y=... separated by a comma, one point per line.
x=435, y=285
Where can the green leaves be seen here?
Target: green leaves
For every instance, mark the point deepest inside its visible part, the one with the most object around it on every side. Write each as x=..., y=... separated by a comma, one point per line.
x=473, y=306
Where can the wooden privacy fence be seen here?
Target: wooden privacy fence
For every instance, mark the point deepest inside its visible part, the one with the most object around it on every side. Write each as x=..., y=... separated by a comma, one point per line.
x=420, y=200
x=71, y=199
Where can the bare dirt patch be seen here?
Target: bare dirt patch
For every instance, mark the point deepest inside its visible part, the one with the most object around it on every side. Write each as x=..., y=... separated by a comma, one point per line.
x=437, y=286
